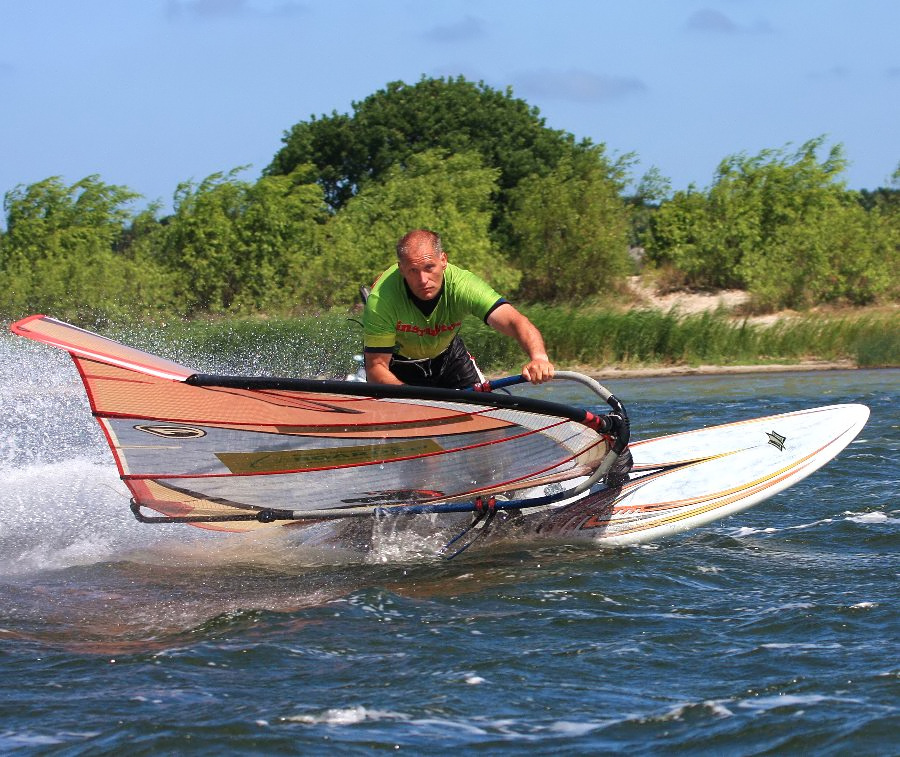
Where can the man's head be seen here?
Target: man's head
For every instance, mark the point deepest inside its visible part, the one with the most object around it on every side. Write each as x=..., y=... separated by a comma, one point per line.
x=422, y=261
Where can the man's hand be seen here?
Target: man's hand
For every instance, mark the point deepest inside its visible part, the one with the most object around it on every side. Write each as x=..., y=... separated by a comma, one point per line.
x=538, y=370
x=378, y=369
x=509, y=321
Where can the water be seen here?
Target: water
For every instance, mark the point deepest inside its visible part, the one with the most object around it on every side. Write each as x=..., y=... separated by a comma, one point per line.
x=773, y=631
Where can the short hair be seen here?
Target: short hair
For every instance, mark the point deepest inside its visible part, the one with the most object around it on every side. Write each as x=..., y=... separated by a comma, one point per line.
x=419, y=235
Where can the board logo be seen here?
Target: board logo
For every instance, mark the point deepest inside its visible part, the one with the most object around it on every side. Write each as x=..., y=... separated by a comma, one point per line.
x=777, y=440
x=173, y=432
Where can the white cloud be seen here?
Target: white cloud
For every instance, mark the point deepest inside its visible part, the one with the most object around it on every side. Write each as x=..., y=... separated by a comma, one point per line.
x=577, y=85
x=461, y=31
x=835, y=72
x=708, y=20
x=711, y=21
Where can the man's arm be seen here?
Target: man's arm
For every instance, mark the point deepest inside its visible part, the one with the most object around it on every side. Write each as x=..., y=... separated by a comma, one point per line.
x=378, y=369
x=510, y=322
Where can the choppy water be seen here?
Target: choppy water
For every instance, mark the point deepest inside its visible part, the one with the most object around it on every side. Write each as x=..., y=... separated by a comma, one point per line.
x=772, y=632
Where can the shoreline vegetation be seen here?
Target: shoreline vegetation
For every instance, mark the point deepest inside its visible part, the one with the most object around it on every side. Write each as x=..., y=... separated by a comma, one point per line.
x=656, y=343
x=705, y=333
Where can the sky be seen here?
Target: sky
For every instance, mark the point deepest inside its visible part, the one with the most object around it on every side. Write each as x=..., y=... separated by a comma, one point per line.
x=148, y=94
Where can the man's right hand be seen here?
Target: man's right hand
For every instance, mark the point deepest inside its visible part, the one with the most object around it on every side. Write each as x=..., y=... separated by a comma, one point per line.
x=538, y=370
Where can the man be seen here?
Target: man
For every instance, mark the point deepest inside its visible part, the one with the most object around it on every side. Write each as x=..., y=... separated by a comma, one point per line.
x=413, y=316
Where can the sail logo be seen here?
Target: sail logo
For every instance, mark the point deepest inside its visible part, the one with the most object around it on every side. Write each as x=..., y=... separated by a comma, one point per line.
x=776, y=440
x=173, y=432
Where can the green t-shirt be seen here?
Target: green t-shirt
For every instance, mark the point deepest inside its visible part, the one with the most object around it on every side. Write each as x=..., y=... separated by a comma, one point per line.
x=393, y=322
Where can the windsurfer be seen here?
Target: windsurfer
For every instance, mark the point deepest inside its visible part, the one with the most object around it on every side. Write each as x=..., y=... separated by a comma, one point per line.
x=414, y=313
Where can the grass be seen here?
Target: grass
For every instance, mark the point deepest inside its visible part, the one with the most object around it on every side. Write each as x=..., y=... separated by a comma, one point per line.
x=324, y=344
x=640, y=338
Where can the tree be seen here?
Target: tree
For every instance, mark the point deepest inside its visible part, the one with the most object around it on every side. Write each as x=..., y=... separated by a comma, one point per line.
x=652, y=189
x=352, y=151
x=62, y=252
x=886, y=198
x=837, y=253
x=239, y=247
x=779, y=224
x=571, y=229
x=450, y=194
x=280, y=238
x=201, y=243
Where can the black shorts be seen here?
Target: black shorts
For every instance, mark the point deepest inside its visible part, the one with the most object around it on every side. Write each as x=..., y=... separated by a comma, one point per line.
x=452, y=369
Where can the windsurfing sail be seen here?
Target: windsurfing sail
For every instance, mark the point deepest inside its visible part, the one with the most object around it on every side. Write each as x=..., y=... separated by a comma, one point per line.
x=238, y=453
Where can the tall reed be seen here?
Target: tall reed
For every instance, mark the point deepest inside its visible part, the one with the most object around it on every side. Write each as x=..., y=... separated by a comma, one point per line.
x=324, y=344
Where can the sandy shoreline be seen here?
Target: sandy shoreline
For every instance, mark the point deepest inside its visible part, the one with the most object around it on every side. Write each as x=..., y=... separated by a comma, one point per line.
x=608, y=372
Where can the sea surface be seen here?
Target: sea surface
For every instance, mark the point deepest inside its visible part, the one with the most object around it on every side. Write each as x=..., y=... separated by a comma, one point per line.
x=773, y=631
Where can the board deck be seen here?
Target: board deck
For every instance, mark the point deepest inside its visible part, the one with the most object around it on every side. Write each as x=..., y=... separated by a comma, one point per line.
x=684, y=480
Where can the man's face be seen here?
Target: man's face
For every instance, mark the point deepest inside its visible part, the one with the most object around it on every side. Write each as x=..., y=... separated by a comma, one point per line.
x=423, y=270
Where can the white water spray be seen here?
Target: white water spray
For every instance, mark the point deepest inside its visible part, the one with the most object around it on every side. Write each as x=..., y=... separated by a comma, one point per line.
x=61, y=502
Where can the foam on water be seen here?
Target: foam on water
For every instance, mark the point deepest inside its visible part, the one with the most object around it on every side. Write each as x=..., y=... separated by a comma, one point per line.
x=876, y=517
x=346, y=716
x=61, y=514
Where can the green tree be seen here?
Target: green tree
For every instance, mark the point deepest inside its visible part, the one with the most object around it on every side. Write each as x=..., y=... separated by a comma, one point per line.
x=153, y=284
x=238, y=246
x=652, y=189
x=63, y=250
x=280, y=237
x=837, y=253
x=886, y=198
x=449, y=194
x=452, y=114
x=779, y=224
x=201, y=243
x=571, y=229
